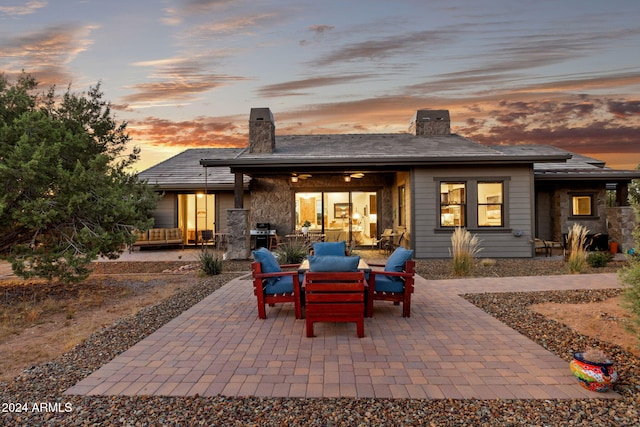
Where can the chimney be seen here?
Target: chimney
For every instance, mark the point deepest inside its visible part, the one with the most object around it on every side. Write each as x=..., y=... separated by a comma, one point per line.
x=262, y=131
x=430, y=122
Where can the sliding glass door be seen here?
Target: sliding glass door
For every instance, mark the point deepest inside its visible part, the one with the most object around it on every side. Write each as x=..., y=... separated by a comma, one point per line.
x=196, y=213
x=349, y=216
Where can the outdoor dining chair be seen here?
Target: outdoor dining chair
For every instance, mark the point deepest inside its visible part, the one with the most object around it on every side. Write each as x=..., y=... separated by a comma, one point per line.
x=272, y=284
x=334, y=297
x=394, y=283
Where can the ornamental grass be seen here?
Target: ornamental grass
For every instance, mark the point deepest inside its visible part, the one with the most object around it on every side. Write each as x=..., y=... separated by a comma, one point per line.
x=464, y=248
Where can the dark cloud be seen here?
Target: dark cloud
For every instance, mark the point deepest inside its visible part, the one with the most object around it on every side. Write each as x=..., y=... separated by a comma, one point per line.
x=586, y=126
x=623, y=109
x=319, y=29
x=294, y=87
x=384, y=48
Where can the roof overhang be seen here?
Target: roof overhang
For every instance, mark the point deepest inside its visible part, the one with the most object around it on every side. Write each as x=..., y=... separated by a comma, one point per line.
x=275, y=165
x=608, y=175
x=197, y=187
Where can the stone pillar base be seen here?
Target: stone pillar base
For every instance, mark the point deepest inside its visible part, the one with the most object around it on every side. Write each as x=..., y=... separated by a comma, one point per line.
x=239, y=246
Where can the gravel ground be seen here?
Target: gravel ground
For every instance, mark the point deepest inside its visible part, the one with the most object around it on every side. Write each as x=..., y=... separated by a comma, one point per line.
x=44, y=384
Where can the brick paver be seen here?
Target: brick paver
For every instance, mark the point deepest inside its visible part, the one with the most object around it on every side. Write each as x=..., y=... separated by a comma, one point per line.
x=448, y=348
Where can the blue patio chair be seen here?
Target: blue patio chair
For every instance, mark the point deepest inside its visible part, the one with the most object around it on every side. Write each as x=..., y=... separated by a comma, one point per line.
x=273, y=285
x=394, y=283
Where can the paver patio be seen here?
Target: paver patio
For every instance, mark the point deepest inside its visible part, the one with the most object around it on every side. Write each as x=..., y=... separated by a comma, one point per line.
x=448, y=348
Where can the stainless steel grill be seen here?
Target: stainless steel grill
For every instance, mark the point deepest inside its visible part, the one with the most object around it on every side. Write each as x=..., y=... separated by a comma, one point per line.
x=261, y=234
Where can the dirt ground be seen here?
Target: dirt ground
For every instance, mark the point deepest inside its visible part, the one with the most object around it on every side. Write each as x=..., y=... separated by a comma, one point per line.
x=604, y=320
x=65, y=317
x=38, y=321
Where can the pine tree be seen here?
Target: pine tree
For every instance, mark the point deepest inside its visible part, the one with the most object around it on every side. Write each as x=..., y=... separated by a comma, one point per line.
x=67, y=196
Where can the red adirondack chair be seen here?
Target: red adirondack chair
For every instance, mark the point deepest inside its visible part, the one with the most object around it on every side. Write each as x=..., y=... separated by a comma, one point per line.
x=391, y=286
x=334, y=297
x=267, y=294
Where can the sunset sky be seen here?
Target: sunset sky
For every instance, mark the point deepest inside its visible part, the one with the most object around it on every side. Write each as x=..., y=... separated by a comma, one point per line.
x=185, y=73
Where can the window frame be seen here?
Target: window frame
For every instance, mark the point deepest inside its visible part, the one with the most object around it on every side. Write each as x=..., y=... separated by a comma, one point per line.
x=592, y=205
x=471, y=202
x=486, y=204
x=462, y=203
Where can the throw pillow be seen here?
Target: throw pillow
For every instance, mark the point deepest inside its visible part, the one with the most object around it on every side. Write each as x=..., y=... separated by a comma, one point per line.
x=268, y=263
x=397, y=260
x=332, y=263
x=330, y=248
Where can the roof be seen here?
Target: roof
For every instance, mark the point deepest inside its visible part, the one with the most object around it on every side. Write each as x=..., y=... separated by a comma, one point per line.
x=184, y=172
x=578, y=167
x=369, y=152
x=323, y=152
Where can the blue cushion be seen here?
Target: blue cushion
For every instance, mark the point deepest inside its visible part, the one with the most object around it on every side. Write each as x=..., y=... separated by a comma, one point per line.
x=333, y=263
x=388, y=284
x=397, y=261
x=282, y=285
x=330, y=248
x=268, y=263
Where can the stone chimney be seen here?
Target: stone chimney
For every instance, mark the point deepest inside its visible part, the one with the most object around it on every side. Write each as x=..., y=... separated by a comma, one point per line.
x=430, y=122
x=262, y=131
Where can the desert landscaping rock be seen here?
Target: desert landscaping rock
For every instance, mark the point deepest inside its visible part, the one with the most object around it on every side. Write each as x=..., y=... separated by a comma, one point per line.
x=47, y=382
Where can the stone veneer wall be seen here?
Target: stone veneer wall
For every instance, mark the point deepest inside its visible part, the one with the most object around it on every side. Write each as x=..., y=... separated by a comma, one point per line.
x=272, y=202
x=622, y=221
x=561, y=211
x=239, y=245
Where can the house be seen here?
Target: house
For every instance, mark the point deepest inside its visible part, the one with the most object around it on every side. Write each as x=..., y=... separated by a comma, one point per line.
x=421, y=184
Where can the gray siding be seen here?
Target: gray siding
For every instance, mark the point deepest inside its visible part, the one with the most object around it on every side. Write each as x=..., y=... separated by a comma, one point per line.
x=166, y=215
x=429, y=241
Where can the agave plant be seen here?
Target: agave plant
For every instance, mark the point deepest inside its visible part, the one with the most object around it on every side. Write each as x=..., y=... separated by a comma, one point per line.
x=293, y=250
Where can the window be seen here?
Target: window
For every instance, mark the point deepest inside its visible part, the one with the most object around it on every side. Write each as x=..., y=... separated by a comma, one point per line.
x=582, y=205
x=490, y=204
x=453, y=204
x=401, y=206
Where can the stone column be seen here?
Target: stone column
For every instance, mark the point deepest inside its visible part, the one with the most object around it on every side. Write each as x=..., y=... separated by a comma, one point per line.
x=239, y=239
x=622, y=221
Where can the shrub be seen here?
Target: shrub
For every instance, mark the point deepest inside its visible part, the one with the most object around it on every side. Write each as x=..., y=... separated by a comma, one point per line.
x=210, y=262
x=488, y=262
x=577, y=238
x=595, y=355
x=293, y=251
x=465, y=248
x=599, y=259
x=630, y=277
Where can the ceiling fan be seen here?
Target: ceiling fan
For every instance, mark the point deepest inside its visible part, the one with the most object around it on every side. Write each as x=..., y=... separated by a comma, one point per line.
x=302, y=175
x=295, y=177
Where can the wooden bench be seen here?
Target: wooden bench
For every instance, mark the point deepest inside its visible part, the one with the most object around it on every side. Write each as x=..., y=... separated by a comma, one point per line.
x=334, y=297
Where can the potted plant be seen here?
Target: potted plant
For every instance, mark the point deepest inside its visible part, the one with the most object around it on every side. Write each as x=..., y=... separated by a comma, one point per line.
x=305, y=227
x=613, y=247
x=593, y=370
